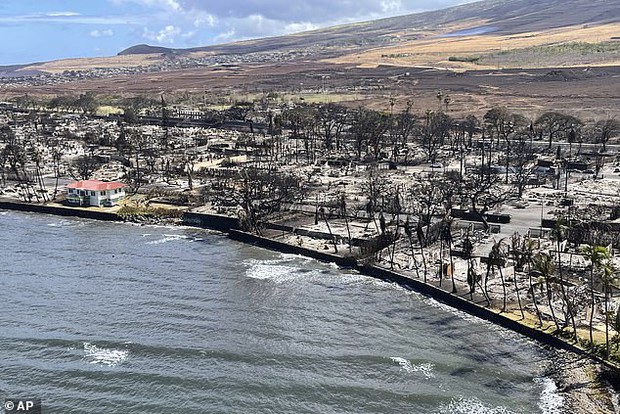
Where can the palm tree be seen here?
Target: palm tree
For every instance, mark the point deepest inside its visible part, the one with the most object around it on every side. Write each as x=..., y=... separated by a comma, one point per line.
x=450, y=240
x=421, y=241
x=468, y=248
x=446, y=238
x=523, y=253
x=497, y=257
x=409, y=233
x=596, y=255
x=515, y=249
x=609, y=273
x=559, y=233
x=343, y=212
x=545, y=268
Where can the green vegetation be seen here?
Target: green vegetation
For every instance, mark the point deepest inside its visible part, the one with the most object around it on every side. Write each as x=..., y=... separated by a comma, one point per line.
x=132, y=213
x=573, y=53
x=467, y=59
x=395, y=55
x=582, y=48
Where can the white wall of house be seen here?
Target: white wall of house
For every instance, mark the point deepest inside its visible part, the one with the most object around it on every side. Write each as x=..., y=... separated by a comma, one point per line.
x=99, y=198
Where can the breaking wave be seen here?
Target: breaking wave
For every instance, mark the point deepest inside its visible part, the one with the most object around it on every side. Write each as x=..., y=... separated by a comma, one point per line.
x=405, y=365
x=103, y=356
x=471, y=406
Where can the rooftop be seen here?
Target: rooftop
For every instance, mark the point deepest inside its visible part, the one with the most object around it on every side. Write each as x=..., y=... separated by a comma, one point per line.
x=96, y=185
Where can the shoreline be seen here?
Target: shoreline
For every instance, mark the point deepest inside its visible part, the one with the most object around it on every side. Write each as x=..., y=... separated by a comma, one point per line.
x=586, y=383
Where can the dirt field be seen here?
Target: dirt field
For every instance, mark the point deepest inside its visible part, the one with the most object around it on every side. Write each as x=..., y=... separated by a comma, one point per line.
x=589, y=94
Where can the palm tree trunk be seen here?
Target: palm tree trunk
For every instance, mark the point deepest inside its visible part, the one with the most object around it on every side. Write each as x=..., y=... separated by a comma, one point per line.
x=501, y=276
x=441, y=261
x=569, y=306
x=591, y=306
x=518, y=296
x=454, y=290
x=550, y=302
x=329, y=229
x=415, y=261
x=534, y=300
x=485, y=290
x=606, y=318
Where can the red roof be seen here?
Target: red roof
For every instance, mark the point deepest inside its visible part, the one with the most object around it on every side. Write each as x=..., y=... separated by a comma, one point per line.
x=96, y=185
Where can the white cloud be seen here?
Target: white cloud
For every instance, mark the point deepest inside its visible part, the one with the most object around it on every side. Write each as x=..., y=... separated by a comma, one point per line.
x=102, y=33
x=173, y=5
x=226, y=36
x=201, y=22
x=300, y=27
x=62, y=14
x=202, y=18
x=74, y=18
x=391, y=6
x=166, y=35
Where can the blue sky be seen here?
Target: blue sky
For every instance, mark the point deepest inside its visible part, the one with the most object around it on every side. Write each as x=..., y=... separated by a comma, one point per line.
x=42, y=30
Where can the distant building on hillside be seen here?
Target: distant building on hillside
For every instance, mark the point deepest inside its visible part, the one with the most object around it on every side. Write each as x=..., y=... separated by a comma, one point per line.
x=95, y=193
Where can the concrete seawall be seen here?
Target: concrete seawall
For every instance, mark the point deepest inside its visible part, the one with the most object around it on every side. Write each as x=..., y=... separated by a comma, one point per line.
x=475, y=310
x=60, y=211
x=210, y=221
x=407, y=282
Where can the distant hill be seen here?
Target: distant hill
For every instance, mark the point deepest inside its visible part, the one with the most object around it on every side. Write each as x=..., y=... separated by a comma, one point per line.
x=145, y=50
x=500, y=17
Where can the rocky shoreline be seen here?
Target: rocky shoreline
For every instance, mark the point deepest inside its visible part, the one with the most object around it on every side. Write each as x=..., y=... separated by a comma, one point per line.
x=582, y=384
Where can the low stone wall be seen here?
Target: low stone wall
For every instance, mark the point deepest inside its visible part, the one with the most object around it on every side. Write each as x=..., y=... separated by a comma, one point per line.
x=210, y=221
x=60, y=211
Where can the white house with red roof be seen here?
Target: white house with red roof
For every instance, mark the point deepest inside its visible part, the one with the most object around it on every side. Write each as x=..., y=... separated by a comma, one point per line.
x=95, y=193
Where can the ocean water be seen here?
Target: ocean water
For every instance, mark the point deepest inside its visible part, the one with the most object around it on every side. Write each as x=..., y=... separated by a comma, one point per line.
x=115, y=318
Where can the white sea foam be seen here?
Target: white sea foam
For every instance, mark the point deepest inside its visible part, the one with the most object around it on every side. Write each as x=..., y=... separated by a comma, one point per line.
x=279, y=270
x=297, y=257
x=63, y=223
x=471, y=406
x=273, y=272
x=405, y=365
x=168, y=238
x=103, y=356
x=551, y=402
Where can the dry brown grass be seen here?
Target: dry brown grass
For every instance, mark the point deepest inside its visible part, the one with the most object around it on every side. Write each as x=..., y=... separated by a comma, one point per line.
x=435, y=51
x=59, y=66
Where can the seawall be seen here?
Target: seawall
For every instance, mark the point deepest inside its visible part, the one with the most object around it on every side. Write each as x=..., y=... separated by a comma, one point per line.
x=210, y=221
x=407, y=282
x=60, y=211
x=472, y=308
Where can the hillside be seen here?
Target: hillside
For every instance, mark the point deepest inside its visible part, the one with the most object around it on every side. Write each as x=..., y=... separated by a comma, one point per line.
x=473, y=36
x=561, y=55
x=500, y=17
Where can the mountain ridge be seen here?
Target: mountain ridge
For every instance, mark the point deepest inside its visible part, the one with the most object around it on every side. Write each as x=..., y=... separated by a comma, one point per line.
x=507, y=17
